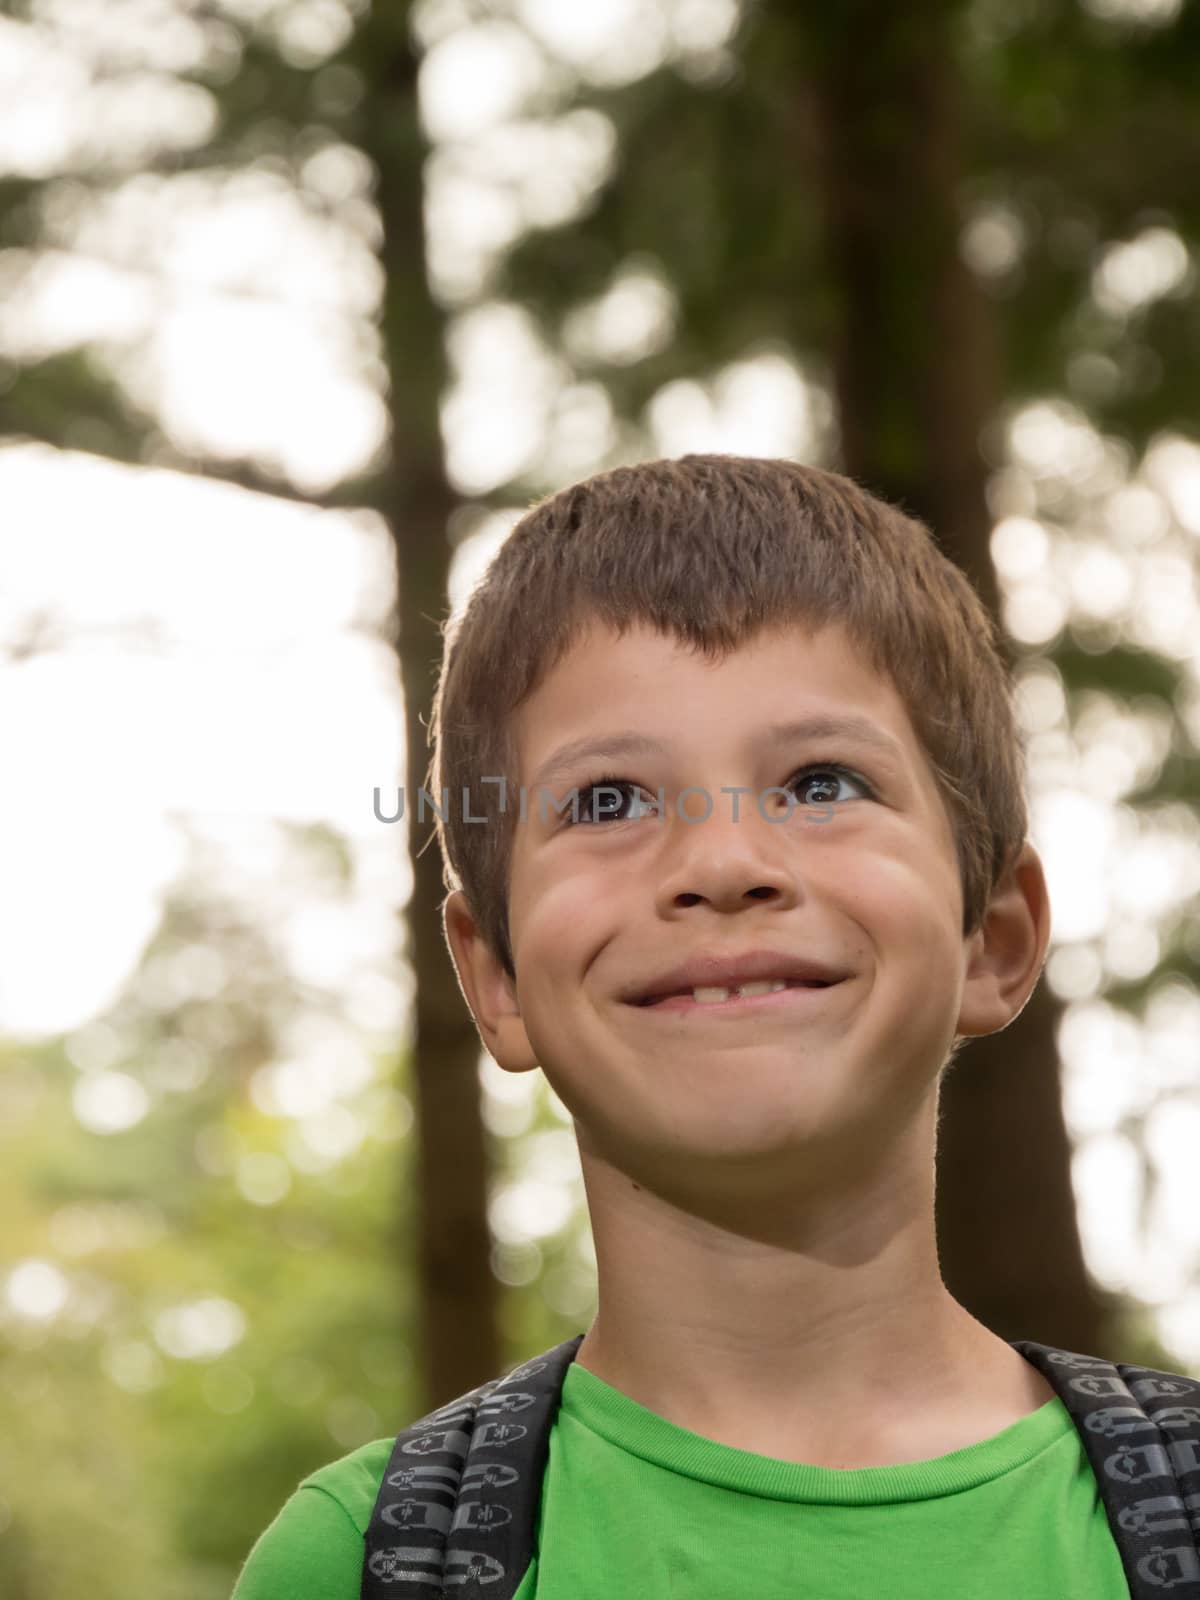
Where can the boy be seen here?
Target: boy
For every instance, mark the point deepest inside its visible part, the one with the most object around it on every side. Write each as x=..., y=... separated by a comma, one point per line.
x=667, y=665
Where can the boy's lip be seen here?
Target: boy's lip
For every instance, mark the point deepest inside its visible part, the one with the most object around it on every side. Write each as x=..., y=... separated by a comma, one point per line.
x=682, y=1005
x=710, y=971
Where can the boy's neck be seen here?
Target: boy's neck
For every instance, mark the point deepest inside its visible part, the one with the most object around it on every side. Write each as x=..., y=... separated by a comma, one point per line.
x=850, y=1354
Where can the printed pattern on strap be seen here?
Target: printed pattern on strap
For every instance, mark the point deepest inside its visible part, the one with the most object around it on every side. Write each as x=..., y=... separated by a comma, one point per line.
x=1141, y=1430
x=457, y=1508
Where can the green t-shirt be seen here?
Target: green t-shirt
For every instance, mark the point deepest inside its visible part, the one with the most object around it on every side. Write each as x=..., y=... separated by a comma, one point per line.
x=633, y=1504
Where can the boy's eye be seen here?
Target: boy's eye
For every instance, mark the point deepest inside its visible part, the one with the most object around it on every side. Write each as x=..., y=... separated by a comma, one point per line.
x=607, y=804
x=827, y=770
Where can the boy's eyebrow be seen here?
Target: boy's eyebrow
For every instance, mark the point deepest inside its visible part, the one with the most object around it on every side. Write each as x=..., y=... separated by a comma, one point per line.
x=823, y=726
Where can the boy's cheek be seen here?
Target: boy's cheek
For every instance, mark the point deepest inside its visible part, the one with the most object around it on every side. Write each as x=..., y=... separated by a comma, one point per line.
x=560, y=918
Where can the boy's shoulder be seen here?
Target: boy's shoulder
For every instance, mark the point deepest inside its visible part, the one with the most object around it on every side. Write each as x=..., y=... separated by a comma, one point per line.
x=353, y=1480
x=315, y=1544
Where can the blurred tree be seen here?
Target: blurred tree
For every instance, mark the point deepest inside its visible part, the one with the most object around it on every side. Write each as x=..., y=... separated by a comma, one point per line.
x=915, y=379
x=271, y=115
x=458, y=1307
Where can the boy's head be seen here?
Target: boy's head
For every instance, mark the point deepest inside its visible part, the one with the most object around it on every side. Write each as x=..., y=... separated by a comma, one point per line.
x=708, y=550
x=664, y=631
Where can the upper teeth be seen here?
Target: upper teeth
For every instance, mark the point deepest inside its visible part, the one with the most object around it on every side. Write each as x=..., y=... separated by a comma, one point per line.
x=713, y=995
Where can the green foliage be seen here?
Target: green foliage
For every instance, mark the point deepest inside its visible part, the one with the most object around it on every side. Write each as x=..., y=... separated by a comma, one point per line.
x=101, y=1406
x=72, y=401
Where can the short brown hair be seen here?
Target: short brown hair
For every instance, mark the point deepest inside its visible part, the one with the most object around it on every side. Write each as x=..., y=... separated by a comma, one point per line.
x=708, y=549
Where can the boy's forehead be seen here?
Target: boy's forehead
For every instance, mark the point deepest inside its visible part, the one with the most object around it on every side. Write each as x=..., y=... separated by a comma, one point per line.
x=597, y=650
x=606, y=681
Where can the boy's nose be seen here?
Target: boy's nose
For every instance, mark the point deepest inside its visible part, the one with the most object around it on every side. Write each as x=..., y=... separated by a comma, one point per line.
x=728, y=864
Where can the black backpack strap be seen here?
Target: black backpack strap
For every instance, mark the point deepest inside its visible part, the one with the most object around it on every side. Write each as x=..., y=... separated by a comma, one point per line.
x=456, y=1512
x=1141, y=1430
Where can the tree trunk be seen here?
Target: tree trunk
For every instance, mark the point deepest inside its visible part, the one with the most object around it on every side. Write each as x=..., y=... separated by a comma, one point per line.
x=457, y=1287
x=915, y=383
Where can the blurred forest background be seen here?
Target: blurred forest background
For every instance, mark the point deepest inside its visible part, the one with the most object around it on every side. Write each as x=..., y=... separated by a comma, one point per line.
x=301, y=303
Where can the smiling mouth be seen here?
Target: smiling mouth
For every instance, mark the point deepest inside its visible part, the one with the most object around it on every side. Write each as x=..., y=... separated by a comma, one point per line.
x=744, y=996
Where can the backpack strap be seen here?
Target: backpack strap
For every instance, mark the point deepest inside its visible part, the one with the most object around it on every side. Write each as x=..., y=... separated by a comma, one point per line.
x=1141, y=1430
x=456, y=1512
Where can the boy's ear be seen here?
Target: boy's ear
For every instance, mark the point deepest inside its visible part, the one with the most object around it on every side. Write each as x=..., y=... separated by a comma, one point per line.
x=486, y=987
x=1008, y=952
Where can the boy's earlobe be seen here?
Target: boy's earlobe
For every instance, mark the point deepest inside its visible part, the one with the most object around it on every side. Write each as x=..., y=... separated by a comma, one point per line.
x=488, y=990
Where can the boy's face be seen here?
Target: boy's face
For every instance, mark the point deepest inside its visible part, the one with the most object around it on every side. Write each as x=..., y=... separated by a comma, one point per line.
x=750, y=1096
